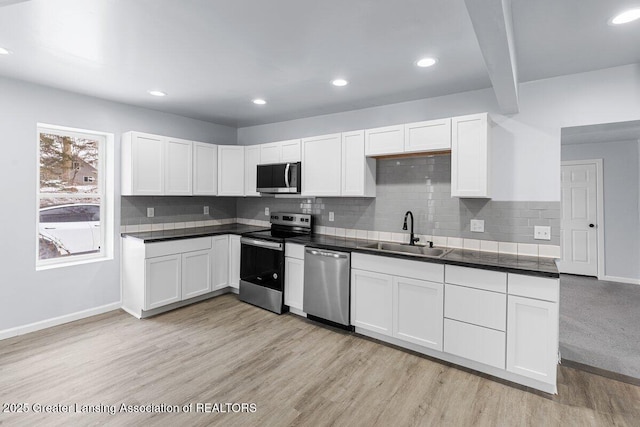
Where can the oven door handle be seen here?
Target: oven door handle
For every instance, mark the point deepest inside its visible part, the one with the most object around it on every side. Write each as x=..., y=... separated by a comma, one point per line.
x=286, y=175
x=261, y=243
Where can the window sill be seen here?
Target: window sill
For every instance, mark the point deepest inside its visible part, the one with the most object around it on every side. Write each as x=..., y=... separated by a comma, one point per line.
x=71, y=263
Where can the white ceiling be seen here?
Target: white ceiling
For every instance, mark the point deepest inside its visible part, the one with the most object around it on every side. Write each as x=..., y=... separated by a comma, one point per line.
x=213, y=56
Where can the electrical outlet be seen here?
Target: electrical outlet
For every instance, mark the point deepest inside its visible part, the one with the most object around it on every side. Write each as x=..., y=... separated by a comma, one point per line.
x=541, y=232
x=477, y=225
x=206, y=210
x=266, y=211
x=150, y=212
x=331, y=216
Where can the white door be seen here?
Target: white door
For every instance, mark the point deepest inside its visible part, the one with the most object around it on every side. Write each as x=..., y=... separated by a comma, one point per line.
x=196, y=273
x=162, y=281
x=432, y=135
x=384, y=140
x=220, y=262
x=147, y=164
x=290, y=151
x=353, y=164
x=372, y=301
x=205, y=169
x=177, y=172
x=234, y=261
x=322, y=165
x=417, y=311
x=579, y=219
x=293, y=282
x=470, y=156
x=230, y=170
x=251, y=162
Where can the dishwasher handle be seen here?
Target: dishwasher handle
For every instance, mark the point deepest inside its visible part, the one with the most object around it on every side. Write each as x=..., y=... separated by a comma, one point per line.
x=320, y=252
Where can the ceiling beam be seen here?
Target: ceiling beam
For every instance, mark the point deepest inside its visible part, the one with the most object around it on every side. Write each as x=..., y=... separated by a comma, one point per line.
x=493, y=25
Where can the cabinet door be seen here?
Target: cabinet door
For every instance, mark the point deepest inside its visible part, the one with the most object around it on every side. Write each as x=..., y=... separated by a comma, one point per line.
x=322, y=165
x=532, y=338
x=470, y=156
x=178, y=167
x=372, y=301
x=270, y=153
x=162, y=281
x=205, y=169
x=432, y=135
x=196, y=273
x=220, y=262
x=147, y=164
x=417, y=311
x=293, y=282
x=290, y=151
x=358, y=172
x=230, y=170
x=384, y=140
x=251, y=162
x=234, y=261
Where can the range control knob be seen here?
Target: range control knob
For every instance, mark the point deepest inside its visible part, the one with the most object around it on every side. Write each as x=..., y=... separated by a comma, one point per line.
x=275, y=276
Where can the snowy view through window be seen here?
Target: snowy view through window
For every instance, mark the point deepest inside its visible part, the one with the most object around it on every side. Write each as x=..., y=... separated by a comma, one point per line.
x=70, y=195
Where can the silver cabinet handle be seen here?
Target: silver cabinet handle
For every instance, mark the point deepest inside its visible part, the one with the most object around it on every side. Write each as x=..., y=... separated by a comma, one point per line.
x=261, y=243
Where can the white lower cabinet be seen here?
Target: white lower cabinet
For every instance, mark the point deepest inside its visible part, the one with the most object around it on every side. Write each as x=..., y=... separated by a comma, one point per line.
x=294, y=277
x=532, y=338
x=220, y=262
x=196, y=273
x=162, y=283
x=234, y=261
x=371, y=301
x=417, y=311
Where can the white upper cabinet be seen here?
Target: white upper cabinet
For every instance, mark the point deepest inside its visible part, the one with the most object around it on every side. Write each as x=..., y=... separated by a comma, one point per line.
x=142, y=164
x=384, y=141
x=230, y=170
x=470, y=156
x=178, y=165
x=432, y=135
x=205, y=169
x=252, y=155
x=322, y=165
x=358, y=171
x=280, y=152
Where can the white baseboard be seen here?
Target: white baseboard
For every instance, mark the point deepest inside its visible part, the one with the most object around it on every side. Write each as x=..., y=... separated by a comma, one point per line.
x=620, y=280
x=43, y=324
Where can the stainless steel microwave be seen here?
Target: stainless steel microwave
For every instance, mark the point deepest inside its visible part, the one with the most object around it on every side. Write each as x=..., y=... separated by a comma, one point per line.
x=279, y=178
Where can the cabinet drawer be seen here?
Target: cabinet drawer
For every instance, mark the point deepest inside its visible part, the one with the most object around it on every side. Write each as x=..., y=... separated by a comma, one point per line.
x=399, y=267
x=475, y=343
x=534, y=287
x=483, y=308
x=294, y=251
x=476, y=278
x=176, y=247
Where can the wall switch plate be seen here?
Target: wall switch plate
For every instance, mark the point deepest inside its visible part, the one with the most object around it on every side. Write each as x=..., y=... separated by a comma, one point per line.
x=477, y=225
x=542, y=232
x=266, y=211
x=150, y=212
x=331, y=216
x=206, y=210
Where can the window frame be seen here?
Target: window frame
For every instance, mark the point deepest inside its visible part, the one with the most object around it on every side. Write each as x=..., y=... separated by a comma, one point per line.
x=105, y=177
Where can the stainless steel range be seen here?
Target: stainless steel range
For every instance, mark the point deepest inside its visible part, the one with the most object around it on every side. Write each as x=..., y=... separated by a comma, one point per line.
x=262, y=260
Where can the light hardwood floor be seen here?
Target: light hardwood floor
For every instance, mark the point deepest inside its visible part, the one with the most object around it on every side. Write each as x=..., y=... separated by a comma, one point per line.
x=296, y=372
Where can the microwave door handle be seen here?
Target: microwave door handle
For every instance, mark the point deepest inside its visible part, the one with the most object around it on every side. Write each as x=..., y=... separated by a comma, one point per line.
x=286, y=175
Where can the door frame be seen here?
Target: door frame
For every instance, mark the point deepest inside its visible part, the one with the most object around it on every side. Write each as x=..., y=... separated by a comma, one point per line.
x=599, y=211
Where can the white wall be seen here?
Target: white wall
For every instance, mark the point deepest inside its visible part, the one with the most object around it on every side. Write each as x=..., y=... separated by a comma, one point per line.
x=621, y=194
x=27, y=295
x=526, y=156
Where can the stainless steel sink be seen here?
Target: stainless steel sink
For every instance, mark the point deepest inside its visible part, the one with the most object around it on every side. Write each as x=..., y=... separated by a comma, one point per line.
x=418, y=250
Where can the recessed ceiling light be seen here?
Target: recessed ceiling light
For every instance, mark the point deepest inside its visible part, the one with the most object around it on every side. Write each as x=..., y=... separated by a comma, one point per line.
x=259, y=101
x=626, y=17
x=426, y=62
x=339, y=82
x=4, y=51
x=157, y=93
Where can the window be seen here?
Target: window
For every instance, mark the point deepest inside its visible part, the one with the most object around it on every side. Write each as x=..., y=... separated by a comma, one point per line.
x=75, y=220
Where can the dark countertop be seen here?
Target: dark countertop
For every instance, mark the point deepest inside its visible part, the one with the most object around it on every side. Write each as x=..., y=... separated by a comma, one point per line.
x=189, y=233
x=528, y=265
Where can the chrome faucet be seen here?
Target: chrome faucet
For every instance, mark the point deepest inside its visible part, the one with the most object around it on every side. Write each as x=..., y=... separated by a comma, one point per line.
x=412, y=239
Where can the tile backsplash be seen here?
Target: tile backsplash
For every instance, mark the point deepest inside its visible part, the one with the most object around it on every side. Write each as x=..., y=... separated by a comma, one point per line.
x=419, y=184
x=422, y=185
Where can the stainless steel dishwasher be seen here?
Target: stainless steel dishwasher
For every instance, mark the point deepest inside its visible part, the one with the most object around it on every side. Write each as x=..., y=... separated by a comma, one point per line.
x=326, y=286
